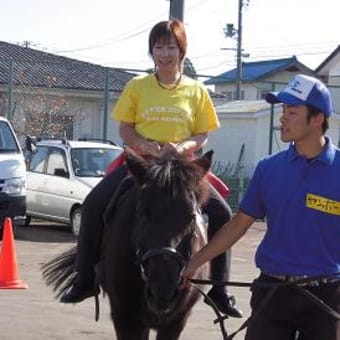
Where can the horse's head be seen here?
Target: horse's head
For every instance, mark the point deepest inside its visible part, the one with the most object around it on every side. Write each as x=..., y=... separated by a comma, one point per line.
x=171, y=191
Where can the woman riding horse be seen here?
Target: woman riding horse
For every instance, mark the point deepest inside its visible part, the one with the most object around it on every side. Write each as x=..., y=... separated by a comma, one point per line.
x=153, y=111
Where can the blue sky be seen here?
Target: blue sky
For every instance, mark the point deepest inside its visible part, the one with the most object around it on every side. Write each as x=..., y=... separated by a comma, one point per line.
x=114, y=33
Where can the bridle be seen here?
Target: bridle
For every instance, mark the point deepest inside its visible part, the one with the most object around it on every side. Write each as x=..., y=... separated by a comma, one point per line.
x=169, y=252
x=165, y=252
x=172, y=251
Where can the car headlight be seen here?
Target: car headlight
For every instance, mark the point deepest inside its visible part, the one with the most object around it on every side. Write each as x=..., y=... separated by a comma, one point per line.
x=15, y=186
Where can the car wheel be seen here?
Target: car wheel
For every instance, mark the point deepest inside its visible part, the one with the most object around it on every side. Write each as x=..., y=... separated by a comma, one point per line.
x=75, y=221
x=27, y=221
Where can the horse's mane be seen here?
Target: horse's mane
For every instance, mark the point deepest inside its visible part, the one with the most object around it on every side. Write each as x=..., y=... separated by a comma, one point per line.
x=175, y=175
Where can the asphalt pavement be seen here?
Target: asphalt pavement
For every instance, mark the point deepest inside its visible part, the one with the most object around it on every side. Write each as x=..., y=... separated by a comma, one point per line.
x=34, y=313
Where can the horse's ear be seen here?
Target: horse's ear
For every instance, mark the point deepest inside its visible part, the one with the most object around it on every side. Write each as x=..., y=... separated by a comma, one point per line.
x=136, y=164
x=204, y=162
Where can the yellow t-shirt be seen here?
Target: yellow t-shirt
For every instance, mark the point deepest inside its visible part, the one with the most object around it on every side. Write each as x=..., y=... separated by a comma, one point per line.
x=166, y=115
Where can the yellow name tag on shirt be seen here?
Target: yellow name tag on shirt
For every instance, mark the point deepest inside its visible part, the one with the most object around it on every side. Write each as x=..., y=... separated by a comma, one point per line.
x=322, y=204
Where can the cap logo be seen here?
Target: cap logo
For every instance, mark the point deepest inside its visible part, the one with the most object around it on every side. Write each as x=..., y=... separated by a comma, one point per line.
x=294, y=86
x=300, y=87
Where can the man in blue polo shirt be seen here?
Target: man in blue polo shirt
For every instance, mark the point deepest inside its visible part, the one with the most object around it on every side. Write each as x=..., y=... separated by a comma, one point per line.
x=298, y=192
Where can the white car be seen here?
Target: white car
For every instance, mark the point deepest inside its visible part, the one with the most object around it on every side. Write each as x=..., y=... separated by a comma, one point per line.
x=60, y=174
x=12, y=176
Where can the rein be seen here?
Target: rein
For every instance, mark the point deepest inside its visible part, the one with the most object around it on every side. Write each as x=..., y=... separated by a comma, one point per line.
x=273, y=288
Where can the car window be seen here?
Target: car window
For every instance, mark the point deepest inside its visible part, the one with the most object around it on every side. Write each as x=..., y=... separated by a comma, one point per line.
x=7, y=139
x=38, y=159
x=92, y=162
x=56, y=160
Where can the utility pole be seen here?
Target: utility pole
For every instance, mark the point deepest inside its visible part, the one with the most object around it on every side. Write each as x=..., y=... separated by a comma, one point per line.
x=239, y=52
x=230, y=32
x=176, y=10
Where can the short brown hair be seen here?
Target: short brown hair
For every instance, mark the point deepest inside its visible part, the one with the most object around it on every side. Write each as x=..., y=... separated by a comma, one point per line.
x=164, y=30
x=313, y=111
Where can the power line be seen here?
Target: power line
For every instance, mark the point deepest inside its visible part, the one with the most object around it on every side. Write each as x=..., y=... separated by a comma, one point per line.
x=105, y=43
x=142, y=28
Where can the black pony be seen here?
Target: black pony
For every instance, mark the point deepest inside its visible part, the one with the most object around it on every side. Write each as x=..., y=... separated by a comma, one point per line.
x=151, y=230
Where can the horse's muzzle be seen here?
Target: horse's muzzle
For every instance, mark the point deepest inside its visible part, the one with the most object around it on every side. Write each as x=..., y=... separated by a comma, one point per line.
x=160, y=304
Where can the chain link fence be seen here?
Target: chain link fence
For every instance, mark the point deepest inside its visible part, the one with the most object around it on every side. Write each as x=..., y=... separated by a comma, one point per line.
x=34, y=103
x=236, y=177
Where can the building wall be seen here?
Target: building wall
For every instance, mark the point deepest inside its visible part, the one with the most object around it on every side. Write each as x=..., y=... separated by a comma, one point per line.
x=334, y=129
x=249, y=127
x=228, y=139
x=112, y=126
x=334, y=84
x=252, y=128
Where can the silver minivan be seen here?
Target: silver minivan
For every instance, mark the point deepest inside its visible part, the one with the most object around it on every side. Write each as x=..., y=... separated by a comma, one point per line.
x=60, y=174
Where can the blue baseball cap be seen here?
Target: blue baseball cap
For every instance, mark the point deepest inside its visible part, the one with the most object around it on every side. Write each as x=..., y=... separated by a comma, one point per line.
x=304, y=90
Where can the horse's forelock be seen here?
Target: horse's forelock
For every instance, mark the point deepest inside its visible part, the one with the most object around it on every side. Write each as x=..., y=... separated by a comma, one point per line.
x=177, y=175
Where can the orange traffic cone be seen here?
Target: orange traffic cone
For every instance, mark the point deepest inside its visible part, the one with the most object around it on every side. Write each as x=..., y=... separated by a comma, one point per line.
x=9, y=273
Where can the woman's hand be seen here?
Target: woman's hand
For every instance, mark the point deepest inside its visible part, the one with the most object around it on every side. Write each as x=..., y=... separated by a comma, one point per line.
x=181, y=148
x=147, y=148
x=186, y=147
x=190, y=145
x=169, y=146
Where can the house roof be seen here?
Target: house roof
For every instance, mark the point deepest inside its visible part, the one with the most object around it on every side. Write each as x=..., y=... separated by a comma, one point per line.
x=258, y=70
x=328, y=61
x=40, y=69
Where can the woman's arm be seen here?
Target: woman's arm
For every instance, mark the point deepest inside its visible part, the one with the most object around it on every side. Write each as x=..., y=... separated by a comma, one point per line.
x=134, y=140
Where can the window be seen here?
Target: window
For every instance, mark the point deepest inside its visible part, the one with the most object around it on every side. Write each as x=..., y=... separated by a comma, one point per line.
x=38, y=159
x=95, y=160
x=56, y=160
x=7, y=140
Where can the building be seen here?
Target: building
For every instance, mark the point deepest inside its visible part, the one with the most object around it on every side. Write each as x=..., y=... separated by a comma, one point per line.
x=258, y=78
x=50, y=95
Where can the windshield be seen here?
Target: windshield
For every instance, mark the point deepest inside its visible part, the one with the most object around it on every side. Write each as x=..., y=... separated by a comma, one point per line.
x=92, y=162
x=7, y=140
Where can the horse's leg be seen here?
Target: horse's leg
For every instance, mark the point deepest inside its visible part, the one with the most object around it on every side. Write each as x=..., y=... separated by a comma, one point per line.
x=131, y=330
x=132, y=333
x=171, y=331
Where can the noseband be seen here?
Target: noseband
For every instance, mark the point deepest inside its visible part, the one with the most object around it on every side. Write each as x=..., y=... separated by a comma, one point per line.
x=164, y=252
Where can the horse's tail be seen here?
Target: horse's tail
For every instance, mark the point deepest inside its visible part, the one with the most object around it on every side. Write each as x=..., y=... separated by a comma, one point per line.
x=59, y=272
